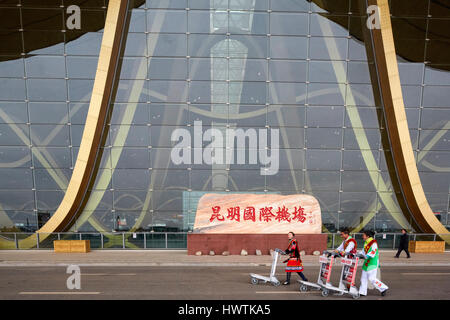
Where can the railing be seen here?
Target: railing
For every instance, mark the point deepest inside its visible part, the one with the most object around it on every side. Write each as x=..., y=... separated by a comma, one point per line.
x=385, y=240
x=165, y=240
x=113, y=240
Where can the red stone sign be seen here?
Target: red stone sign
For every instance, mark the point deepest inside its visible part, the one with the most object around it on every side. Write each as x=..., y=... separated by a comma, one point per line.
x=258, y=213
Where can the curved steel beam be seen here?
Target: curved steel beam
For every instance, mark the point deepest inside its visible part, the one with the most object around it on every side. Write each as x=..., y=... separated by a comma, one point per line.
x=397, y=126
x=93, y=130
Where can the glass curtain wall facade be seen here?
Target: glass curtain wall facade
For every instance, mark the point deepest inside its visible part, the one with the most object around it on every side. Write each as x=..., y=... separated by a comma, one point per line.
x=47, y=72
x=282, y=65
x=191, y=66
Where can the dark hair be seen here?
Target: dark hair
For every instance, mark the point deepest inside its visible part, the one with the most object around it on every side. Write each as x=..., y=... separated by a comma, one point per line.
x=405, y=230
x=292, y=233
x=369, y=233
x=345, y=230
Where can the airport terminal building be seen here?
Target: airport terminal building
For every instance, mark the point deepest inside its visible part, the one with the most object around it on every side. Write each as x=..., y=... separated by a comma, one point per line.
x=119, y=115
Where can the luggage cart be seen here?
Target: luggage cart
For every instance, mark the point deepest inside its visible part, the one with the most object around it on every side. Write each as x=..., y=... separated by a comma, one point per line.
x=256, y=278
x=326, y=261
x=347, y=279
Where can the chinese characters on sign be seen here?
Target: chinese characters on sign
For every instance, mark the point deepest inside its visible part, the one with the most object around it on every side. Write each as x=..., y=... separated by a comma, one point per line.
x=257, y=214
x=265, y=214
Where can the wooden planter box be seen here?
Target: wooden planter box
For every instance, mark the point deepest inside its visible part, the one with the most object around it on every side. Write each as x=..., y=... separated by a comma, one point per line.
x=72, y=246
x=427, y=246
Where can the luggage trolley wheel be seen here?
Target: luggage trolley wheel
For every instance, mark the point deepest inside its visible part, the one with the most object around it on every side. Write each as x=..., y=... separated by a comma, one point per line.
x=356, y=296
x=254, y=281
x=276, y=283
x=303, y=288
x=325, y=293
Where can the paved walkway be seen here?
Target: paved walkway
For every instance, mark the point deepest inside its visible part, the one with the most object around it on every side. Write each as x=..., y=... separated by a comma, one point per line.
x=33, y=258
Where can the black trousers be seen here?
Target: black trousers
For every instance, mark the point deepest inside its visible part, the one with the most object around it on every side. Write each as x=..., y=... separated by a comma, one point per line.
x=400, y=249
x=288, y=276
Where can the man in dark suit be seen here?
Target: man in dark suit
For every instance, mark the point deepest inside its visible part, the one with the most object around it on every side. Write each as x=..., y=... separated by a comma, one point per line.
x=404, y=241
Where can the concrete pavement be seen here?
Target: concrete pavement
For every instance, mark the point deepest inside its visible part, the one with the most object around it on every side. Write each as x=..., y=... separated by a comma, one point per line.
x=118, y=258
x=205, y=283
x=155, y=274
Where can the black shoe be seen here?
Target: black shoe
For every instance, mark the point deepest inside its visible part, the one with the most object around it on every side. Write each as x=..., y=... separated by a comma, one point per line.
x=408, y=257
x=396, y=257
x=286, y=283
x=383, y=293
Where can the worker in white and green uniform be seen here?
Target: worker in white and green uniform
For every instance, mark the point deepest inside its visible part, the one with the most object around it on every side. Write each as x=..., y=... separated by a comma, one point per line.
x=371, y=265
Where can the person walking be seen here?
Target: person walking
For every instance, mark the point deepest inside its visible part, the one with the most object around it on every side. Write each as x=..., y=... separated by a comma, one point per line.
x=403, y=246
x=371, y=265
x=348, y=246
x=294, y=262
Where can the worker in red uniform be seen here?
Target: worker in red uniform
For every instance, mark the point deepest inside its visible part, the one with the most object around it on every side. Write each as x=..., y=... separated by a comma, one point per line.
x=348, y=246
x=294, y=262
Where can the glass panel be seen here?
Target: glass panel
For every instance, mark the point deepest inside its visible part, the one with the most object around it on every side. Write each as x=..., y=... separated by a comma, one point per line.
x=47, y=243
x=324, y=138
x=124, y=115
x=290, y=116
x=45, y=66
x=95, y=240
x=358, y=72
x=12, y=68
x=436, y=96
x=362, y=139
x=160, y=68
x=113, y=241
x=17, y=200
x=287, y=93
x=15, y=178
x=322, y=25
x=289, y=23
x=326, y=94
x=171, y=45
x=49, y=135
x=289, y=5
x=323, y=159
x=323, y=71
x=46, y=90
x=13, y=157
x=175, y=21
x=155, y=240
x=329, y=48
x=288, y=47
x=56, y=157
x=13, y=112
x=434, y=118
x=177, y=241
x=134, y=241
x=358, y=202
x=131, y=178
x=356, y=160
x=359, y=181
x=179, y=4
x=285, y=70
x=48, y=112
x=325, y=116
x=130, y=157
x=322, y=181
x=14, y=135
x=411, y=73
x=12, y=89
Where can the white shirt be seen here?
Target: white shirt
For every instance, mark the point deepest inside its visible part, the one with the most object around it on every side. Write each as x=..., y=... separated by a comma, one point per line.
x=349, y=248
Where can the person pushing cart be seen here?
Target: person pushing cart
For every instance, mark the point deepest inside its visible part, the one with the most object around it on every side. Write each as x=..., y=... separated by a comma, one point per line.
x=294, y=262
x=371, y=265
x=348, y=246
